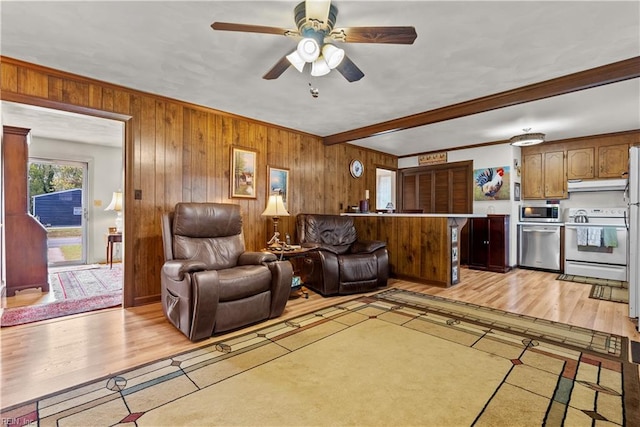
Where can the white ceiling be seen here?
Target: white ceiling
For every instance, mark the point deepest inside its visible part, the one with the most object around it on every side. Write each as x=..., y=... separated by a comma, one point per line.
x=464, y=50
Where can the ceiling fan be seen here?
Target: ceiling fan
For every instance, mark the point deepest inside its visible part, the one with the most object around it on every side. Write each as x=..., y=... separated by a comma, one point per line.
x=315, y=20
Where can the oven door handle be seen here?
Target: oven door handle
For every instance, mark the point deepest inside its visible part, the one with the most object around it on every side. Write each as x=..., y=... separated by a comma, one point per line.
x=617, y=227
x=535, y=230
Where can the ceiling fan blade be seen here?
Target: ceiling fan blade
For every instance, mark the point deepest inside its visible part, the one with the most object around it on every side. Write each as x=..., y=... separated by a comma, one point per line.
x=277, y=70
x=349, y=70
x=393, y=35
x=228, y=26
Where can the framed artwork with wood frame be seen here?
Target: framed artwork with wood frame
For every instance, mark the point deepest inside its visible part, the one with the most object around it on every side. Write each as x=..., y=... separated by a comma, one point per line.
x=243, y=173
x=278, y=183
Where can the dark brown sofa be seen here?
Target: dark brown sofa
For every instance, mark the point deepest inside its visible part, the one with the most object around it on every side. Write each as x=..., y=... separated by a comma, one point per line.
x=340, y=263
x=209, y=283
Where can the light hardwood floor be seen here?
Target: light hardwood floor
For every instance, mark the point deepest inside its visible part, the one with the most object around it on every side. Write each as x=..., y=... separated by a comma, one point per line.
x=44, y=357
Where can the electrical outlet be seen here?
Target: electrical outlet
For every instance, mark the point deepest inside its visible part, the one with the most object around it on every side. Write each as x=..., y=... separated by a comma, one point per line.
x=137, y=194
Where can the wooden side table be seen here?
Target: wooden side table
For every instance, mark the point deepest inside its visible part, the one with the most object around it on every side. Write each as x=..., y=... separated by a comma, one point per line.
x=288, y=255
x=111, y=239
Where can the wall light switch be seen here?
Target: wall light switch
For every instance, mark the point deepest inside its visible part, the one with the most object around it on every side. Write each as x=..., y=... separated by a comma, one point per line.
x=97, y=203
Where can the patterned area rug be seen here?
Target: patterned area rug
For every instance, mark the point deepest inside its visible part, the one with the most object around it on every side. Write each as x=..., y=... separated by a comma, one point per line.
x=74, y=291
x=397, y=358
x=604, y=289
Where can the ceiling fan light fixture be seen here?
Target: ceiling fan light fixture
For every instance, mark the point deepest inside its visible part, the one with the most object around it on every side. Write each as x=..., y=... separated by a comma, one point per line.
x=527, y=139
x=308, y=49
x=333, y=55
x=296, y=61
x=319, y=67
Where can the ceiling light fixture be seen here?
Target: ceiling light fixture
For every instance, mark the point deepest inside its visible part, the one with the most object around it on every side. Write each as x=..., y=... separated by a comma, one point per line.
x=308, y=49
x=322, y=60
x=527, y=138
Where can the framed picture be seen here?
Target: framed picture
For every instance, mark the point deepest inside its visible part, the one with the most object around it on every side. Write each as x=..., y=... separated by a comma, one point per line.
x=278, y=182
x=243, y=169
x=516, y=191
x=491, y=183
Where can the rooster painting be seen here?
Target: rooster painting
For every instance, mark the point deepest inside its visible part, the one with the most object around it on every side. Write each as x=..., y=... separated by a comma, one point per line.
x=490, y=182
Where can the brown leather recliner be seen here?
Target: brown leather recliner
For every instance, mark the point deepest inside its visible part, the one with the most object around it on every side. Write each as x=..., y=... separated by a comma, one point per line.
x=209, y=283
x=340, y=264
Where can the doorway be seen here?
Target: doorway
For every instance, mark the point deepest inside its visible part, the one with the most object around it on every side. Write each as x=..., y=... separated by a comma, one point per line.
x=90, y=151
x=57, y=199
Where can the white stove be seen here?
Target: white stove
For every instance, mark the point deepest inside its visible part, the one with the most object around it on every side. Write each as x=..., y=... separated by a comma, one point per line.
x=596, y=243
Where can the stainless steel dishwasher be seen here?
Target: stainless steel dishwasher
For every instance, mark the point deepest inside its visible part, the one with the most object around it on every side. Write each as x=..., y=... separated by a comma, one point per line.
x=539, y=246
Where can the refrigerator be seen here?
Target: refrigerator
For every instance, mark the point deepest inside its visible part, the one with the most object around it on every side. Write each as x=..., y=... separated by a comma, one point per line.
x=633, y=198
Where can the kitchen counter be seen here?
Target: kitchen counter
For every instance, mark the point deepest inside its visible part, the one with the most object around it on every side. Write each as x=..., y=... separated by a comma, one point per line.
x=551, y=224
x=422, y=247
x=421, y=215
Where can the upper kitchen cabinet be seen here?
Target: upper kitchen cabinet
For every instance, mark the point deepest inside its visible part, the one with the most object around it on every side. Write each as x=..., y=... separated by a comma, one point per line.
x=547, y=167
x=555, y=178
x=613, y=160
x=543, y=175
x=580, y=163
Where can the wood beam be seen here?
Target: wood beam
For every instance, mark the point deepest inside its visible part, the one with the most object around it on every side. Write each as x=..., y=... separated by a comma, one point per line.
x=594, y=77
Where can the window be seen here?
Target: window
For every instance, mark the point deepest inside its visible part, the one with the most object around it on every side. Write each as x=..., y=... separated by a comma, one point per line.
x=385, y=188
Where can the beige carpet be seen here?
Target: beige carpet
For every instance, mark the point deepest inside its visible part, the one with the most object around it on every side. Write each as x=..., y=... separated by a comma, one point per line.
x=371, y=361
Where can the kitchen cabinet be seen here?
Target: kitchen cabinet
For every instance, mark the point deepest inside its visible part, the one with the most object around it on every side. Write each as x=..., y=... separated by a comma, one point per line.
x=547, y=167
x=580, y=163
x=532, y=176
x=489, y=243
x=613, y=160
x=544, y=175
x=555, y=178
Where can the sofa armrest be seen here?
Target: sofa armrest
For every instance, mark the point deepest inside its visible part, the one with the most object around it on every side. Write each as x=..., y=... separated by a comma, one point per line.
x=176, y=269
x=281, y=275
x=337, y=250
x=367, y=246
x=256, y=258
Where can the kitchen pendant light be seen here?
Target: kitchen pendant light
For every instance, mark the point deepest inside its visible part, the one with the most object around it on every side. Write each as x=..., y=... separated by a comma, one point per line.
x=527, y=138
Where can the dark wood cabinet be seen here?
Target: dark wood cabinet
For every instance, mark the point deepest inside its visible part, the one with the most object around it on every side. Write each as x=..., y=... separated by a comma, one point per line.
x=25, y=238
x=489, y=243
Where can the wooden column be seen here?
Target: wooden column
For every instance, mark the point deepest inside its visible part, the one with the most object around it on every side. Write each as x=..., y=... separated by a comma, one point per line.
x=25, y=237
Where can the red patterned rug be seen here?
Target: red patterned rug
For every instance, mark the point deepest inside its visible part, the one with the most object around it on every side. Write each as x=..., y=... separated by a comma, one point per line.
x=75, y=291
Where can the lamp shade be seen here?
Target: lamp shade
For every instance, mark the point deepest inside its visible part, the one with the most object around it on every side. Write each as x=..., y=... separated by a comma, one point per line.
x=319, y=67
x=116, y=202
x=332, y=55
x=527, y=139
x=275, y=206
x=296, y=61
x=308, y=49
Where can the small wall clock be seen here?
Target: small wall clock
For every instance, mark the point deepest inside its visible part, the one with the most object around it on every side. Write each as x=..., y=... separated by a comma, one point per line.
x=356, y=168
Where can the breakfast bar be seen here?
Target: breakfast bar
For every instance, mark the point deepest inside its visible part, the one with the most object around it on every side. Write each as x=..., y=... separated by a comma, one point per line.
x=422, y=247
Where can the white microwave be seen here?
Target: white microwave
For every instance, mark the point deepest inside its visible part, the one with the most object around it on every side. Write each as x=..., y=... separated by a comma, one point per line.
x=540, y=213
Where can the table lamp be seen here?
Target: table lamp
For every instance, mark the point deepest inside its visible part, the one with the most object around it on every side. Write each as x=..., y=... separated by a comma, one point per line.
x=116, y=205
x=275, y=209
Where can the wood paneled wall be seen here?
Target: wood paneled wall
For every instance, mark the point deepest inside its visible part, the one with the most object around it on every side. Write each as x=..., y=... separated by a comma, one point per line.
x=175, y=151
